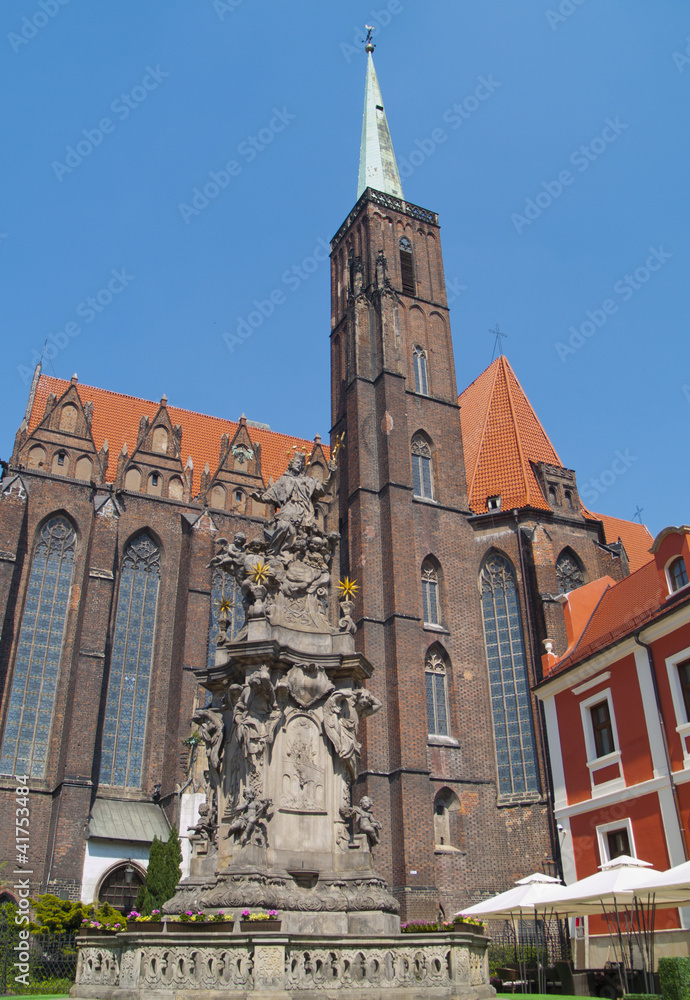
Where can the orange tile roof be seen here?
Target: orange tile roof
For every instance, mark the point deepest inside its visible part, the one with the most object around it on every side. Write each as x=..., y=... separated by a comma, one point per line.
x=501, y=436
x=622, y=609
x=636, y=538
x=116, y=417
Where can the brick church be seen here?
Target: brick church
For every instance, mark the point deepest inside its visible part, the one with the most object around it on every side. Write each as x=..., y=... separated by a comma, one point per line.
x=456, y=517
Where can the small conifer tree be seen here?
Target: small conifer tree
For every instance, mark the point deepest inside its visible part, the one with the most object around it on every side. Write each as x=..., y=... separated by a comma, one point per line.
x=162, y=874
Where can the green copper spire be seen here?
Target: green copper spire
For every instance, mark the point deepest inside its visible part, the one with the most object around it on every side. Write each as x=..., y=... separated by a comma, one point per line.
x=377, y=166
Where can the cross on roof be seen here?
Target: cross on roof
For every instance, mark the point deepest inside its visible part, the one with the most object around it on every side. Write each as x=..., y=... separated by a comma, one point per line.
x=638, y=513
x=498, y=333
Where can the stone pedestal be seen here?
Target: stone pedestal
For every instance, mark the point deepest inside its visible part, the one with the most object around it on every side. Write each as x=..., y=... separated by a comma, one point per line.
x=143, y=967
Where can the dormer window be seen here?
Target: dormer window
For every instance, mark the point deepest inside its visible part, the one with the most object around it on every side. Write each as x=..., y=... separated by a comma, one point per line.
x=568, y=499
x=493, y=503
x=678, y=574
x=553, y=496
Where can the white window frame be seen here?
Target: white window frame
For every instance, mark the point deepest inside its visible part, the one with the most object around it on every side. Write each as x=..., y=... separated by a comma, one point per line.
x=595, y=763
x=682, y=723
x=602, y=839
x=669, y=581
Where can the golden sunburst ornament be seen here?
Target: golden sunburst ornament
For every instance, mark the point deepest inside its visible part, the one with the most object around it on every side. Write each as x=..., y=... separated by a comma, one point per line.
x=348, y=588
x=224, y=606
x=260, y=573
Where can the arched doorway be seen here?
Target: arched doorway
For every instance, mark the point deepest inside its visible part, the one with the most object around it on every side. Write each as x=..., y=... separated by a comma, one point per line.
x=120, y=887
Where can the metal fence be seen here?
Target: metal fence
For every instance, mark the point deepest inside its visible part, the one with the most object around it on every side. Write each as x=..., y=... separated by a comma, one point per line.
x=41, y=963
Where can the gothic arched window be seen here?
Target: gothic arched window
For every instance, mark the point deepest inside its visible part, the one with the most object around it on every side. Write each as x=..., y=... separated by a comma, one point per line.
x=516, y=754
x=421, y=380
x=406, y=266
x=436, y=673
x=226, y=597
x=37, y=663
x=430, y=600
x=422, y=476
x=124, y=729
x=569, y=572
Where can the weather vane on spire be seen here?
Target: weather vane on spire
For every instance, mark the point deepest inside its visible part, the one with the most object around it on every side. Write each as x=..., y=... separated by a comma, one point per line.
x=497, y=344
x=368, y=44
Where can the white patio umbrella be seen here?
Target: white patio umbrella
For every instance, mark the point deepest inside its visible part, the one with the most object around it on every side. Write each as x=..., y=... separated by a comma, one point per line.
x=529, y=897
x=534, y=891
x=614, y=890
x=670, y=888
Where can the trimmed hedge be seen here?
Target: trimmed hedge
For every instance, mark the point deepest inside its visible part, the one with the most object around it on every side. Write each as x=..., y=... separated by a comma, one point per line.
x=674, y=978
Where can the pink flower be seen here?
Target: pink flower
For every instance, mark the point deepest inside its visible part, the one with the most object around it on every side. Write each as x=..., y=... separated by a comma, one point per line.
x=245, y=914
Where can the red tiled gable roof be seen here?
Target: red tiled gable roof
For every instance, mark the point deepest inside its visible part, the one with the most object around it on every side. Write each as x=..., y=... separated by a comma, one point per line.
x=116, y=417
x=633, y=601
x=501, y=436
x=636, y=538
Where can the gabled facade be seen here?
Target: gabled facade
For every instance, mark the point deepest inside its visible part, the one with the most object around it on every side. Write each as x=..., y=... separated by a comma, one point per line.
x=617, y=708
x=456, y=518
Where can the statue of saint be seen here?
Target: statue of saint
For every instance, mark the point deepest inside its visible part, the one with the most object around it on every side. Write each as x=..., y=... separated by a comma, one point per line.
x=293, y=496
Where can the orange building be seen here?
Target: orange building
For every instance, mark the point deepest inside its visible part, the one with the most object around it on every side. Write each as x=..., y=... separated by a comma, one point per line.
x=617, y=709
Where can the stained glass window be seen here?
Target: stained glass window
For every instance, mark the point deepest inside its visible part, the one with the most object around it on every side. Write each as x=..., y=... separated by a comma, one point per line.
x=124, y=729
x=422, y=480
x=37, y=664
x=516, y=754
x=436, y=694
x=421, y=381
x=225, y=591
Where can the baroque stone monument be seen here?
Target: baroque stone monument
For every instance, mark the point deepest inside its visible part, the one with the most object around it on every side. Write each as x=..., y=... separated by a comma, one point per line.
x=280, y=828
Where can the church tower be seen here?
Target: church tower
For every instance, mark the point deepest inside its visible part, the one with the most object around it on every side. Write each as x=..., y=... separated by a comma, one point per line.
x=430, y=765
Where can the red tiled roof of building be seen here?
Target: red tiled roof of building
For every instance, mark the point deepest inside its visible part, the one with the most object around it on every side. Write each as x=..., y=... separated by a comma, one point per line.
x=623, y=608
x=116, y=418
x=636, y=538
x=501, y=436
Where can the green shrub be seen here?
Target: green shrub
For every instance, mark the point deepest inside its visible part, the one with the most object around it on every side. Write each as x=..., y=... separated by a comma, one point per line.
x=642, y=996
x=162, y=875
x=58, y=915
x=674, y=978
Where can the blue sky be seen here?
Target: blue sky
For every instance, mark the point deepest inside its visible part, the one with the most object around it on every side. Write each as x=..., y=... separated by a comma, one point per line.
x=561, y=189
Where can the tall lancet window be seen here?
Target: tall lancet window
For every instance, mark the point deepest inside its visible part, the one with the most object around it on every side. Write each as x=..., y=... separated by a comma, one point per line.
x=406, y=266
x=422, y=476
x=435, y=670
x=516, y=754
x=124, y=729
x=421, y=379
x=39, y=650
x=226, y=597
